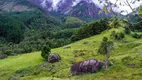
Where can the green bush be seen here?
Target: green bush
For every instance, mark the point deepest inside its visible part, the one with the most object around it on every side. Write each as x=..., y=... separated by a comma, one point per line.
x=136, y=35
x=117, y=35
x=8, y=52
x=127, y=30
x=45, y=52
x=74, y=38
x=66, y=33
x=127, y=60
x=132, y=61
x=19, y=51
x=1, y=53
x=88, y=30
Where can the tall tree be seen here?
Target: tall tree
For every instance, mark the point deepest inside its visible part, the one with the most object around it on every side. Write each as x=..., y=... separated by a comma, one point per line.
x=109, y=7
x=45, y=52
x=105, y=49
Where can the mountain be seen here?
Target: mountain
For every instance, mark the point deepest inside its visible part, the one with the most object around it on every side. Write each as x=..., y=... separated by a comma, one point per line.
x=77, y=8
x=16, y=5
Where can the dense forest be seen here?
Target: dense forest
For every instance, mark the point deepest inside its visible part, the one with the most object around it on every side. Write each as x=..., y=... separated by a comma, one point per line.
x=28, y=31
x=24, y=32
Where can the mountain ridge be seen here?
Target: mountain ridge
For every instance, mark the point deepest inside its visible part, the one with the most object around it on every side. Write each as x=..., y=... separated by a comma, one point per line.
x=77, y=8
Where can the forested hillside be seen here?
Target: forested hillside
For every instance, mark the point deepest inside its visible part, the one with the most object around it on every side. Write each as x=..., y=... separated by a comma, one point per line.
x=29, y=30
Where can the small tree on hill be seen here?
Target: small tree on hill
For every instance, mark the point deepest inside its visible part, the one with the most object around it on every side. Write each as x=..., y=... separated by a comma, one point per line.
x=45, y=52
x=105, y=49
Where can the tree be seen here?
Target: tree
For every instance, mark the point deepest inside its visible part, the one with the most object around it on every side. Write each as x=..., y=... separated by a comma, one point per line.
x=140, y=11
x=110, y=6
x=91, y=29
x=105, y=49
x=115, y=23
x=45, y=52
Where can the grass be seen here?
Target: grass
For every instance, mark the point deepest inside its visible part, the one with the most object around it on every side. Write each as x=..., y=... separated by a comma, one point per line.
x=18, y=66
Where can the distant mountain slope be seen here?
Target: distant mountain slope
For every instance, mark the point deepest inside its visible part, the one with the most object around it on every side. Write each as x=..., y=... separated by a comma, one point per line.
x=16, y=5
x=77, y=8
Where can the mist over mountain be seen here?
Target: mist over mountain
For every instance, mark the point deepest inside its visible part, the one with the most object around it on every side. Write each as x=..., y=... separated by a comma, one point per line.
x=77, y=8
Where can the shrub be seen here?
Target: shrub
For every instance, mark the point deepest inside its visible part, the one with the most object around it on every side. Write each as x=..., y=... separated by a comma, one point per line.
x=132, y=61
x=67, y=33
x=127, y=60
x=8, y=52
x=127, y=30
x=45, y=52
x=19, y=51
x=117, y=35
x=0, y=52
x=88, y=30
x=136, y=35
x=74, y=38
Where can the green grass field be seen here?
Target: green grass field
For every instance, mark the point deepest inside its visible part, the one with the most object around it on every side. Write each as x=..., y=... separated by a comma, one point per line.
x=33, y=67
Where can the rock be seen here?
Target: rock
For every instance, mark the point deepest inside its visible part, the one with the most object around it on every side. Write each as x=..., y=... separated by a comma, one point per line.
x=75, y=51
x=3, y=56
x=81, y=54
x=13, y=77
x=4, y=74
x=75, y=56
x=54, y=58
x=85, y=43
x=88, y=66
x=132, y=65
x=67, y=47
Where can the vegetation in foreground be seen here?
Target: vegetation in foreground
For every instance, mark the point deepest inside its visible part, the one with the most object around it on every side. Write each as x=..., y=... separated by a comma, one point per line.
x=126, y=58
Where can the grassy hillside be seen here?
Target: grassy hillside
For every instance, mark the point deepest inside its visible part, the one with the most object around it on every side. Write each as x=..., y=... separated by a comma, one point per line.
x=33, y=67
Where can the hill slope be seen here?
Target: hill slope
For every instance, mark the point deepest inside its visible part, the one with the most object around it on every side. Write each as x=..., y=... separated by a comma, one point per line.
x=33, y=67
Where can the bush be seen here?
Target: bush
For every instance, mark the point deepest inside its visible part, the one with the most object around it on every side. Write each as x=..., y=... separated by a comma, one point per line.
x=67, y=33
x=19, y=51
x=8, y=52
x=132, y=61
x=74, y=38
x=117, y=35
x=45, y=52
x=88, y=30
x=127, y=60
x=1, y=53
x=127, y=30
x=136, y=35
